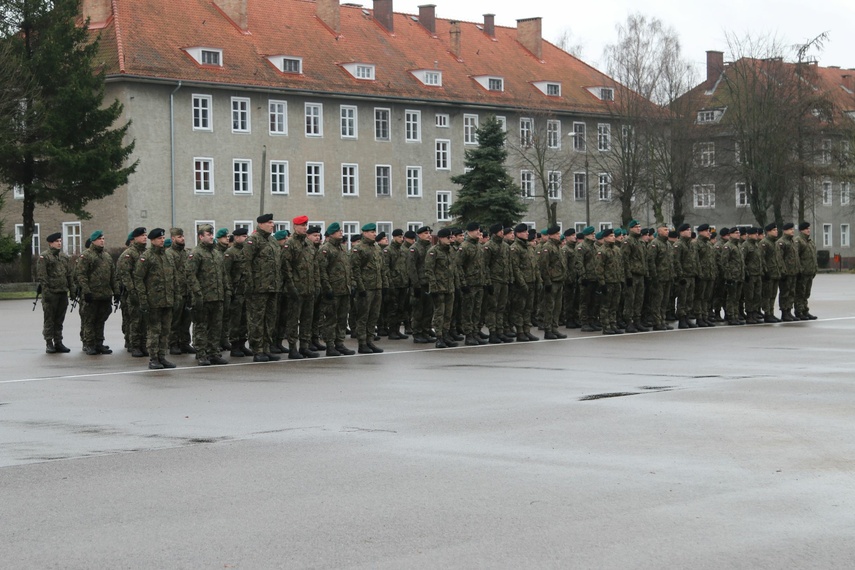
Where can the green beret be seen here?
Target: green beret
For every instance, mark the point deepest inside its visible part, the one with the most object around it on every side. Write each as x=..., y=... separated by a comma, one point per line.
x=543, y=231
x=222, y=232
x=598, y=235
x=588, y=231
x=633, y=223
x=130, y=236
x=281, y=234
x=167, y=242
x=97, y=234
x=332, y=228
x=369, y=228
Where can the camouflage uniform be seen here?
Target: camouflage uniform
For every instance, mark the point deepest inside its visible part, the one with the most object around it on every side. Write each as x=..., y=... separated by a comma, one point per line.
x=335, y=277
x=660, y=265
x=396, y=264
x=422, y=308
x=771, y=275
x=525, y=278
x=553, y=270
x=471, y=288
x=97, y=276
x=790, y=269
x=440, y=275
x=53, y=271
x=753, y=287
x=208, y=283
x=125, y=269
x=733, y=272
x=633, y=253
x=496, y=259
x=705, y=281
x=610, y=271
x=806, y=248
x=235, y=268
x=262, y=254
x=571, y=287
x=366, y=265
x=685, y=271
x=300, y=275
x=179, y=337
x=156, y=284
x=586, y=252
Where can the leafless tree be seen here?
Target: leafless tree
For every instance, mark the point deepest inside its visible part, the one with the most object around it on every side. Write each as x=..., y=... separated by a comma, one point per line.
x=569, y=43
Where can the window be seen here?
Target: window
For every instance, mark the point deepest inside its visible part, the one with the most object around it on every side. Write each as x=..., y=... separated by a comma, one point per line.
x=737, y=152
x=580, y=144
x=580, y=185
x=17, y=192
x=413, y=226
x=240, y=115
x=530, y=225
x=825, y=154
x=443, y=206
x=278, y=113
x=470, y=124
x=527, y=183
x=526, y=127
x=364, y=72
x=412, y=126
x=553, y=134
x=580, y=226
x=706, y=116
x=605, y=226
x=844, y=235
x=442, y=157
x=292, y=65
x=844, y=193
x=350, y=180
x=279, y=177
x=433, y=78
x=553, y=89
x=826, y=193
x=35, y=242
x=348, y=122
x=441, y=120
x=348, y=230
x=242, y=176
x=605, y=186
x=704, y=195
x=315, y=178
x=72, y=241
x=741, y=195
x=604, y=137
x=243, y=224
x=314, y=120
x=607, y=94
x=705, y=154
x=381, y=124
x=554, y=185
x=210, y=57
x=383, y=180
x=414, y=182
x=281, y=226
x=321, y=225
x=503, y=122
x=203, y=175
x=202, y=113
x=826, y=235
x=198, y=224
x=385, y=227
x=496, y=84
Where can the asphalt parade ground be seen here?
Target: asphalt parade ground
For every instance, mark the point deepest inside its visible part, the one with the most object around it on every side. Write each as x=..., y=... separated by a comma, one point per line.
x=731, y=447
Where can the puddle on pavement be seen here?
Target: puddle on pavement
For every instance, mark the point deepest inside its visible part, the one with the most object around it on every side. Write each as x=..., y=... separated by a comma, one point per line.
x=648, y=390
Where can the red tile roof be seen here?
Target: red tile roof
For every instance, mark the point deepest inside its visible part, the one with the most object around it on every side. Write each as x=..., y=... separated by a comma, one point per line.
x=147, y=38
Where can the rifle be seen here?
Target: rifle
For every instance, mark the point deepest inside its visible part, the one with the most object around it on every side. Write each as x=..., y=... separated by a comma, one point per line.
x=38, y=293
x=117, y=299
x=76, y=299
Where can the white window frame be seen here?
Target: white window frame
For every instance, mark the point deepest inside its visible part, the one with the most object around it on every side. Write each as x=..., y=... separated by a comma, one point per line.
x=845, y=193
x=349, y=229
x=844, y=235
x=17, y=192
x=470, y=127
x=705, y=154
x=72, y=238
x=605, y=226
x=503, y=121
x=383, y=172
x=604, y=187
x=35, y=242
x=443, y=206
x=742, y=195
x=441, y=120
x=703, y=196
x=526, y=131
x=553, y=89
x=313, y=114
x=277, y=117
x=279, y=178
x=412, y=125
x=827, y=192
x=827, y=233
x=216, y=53
x=553, y=134
x=413, y=226
x=382, y=120
x=414, y=182
x=442, y=156
x=199, y=173
x=580, y=137
x=243, y=224
x=580, y=185
x=199, y=223
x=242, y=177
x=364, y=71
x=527, y=184
x=241, y=115
x=607, y=94
x=287, y=63
x=554, y=186
x=385, y=227
x=203, y=119
x=579, y=227
x=495, y=84
x=348, y=122
x=604, y=137
x=280, y=226
x=825, y=154
x=318, y=173
x=349, y=179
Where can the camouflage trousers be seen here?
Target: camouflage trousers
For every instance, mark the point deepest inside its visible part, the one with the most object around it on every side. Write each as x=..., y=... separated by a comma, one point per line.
x=496, y=307
x=470, y=310
x=609, y=304
x=788, y=292
x=588, y=302
x=804, y=284
x=685, y=297
x=658, y=296
x=770, y=292
x=207, y=328
x=752, y=292
x=443, y=306
x=422, y=313
x=181, y=321
x=159, y=323
x=335, y=313
x=225, y=325
x=571, y=302
x=237, y=319
x=260, y=320
x=54, y=306
x=94, y=318
x=136, y=322
x=633, y=299
x=553, y=294
x=300, y=317
x=734, y=300
x=521, y=305
x=395, y=307
x=703, y=298
x=367, y=314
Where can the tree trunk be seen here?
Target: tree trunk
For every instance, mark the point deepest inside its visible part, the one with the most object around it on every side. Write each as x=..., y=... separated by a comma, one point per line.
x=27, y=235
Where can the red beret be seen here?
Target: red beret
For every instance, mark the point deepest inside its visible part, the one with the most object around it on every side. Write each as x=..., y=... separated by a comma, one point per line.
x=300, y=220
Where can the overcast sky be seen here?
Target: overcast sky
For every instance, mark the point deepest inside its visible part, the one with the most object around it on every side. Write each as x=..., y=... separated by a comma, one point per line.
x=701, y=26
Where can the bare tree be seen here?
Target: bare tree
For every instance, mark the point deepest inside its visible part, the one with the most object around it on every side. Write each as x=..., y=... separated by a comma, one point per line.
x=572, y=45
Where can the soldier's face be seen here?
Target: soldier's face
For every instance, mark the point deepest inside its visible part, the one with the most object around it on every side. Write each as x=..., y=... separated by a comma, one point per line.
x=301, y=229
x=158, y=241
x=224, y=240
x=178, y=239
x=773, y=233
x=206, y=237
x=141, y=239
x=662, y=232
x=398, y=239
x=635, y=229
x=336, y=235
x=424, y=235
x=445, y=240
x=316, y=238
x=240, y=239
x=266, y=226
x=371, y=234
x=100, y=241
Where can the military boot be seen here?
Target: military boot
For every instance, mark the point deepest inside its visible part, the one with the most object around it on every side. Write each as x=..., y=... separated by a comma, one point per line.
x=137, y=352
x=630, y=328
x=304, y=350
x=203, y=361
x=394, y=334
x=91, y=350
x=531, y=336
x=49, y=347
x=57, y=344
x=374, y=349
x=217, y=359
x=236, y=352
x=294, y=352
x=174, y=350
x=449, y=339
x=522, y=337
x=103, y=349
x=494, y=338
x=471, y=341
x=277, y=348
x=246, y=351
x=344, y=350
x=260, y=357
x=364, y=349
x=187, y=349
x=787, y=316
x=684, y=323
x=331, y=351
x=440, y=343
x=272, y=357
x=319, y=345
x=165, y=363
x=640, y=327
x=154, y=364
x=770, y=318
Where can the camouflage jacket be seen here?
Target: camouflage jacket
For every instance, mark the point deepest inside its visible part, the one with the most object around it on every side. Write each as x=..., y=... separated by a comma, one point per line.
x=553, y=262
x=206, y=274
x=608, y=264
x=53, y=271
x=334, y=268
x=771, y=259
x=366, y=265
x=523, y=263
x=807, y=254
x=790, y=263
x=416, y=263
x=496, y=256
x=586, y=251
x=707, y=261
x=262, y=255
x=634, y=256
x=177, y=252
x=660, y=259
x=685, y=259
x=127, y=264
x=97, y=274
x=469, y=259
x=753, y=258
x=235, y=266
x=396, y=263
x=156, y=279
x=299, y=265
x=732, y=262
x=439, y=269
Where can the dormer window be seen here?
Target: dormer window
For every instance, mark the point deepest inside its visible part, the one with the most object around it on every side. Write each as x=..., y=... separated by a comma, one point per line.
x=287, y=63
x=206, y=56
x=706, y=116
x=490, y=82
x=363, y=71
x=549, y=88
x=602, y=93
x=429, y=77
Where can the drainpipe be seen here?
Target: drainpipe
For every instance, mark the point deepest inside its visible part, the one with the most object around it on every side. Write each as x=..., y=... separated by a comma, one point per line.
x=172, y=147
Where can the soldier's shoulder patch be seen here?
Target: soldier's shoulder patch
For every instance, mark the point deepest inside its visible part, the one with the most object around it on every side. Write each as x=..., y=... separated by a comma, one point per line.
x=190, y=256
x=285, y=246
x=412, y=250
x=431, y=253
x=226, y=255
x=41, y=257
x=324, y=251
x=249, y=241
x=599, y=253
x=142, y=258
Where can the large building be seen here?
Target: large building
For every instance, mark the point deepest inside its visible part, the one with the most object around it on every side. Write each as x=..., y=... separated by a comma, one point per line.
x=340, y=112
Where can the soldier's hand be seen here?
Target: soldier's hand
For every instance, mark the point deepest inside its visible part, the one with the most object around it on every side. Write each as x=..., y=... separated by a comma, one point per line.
x=417, y=292
x=601, y=289
x=489, y=289
x=116, y=299
x=629, y=281
x=88, y=297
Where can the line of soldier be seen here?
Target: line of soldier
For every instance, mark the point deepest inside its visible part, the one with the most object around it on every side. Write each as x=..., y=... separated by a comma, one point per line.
x=270, y=286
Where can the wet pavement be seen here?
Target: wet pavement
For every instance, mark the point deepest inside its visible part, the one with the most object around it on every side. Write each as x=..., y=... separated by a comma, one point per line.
x=710, y=448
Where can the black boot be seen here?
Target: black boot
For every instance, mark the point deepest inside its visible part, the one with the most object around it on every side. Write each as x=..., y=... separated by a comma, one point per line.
x=154, y=364
x=787, y=316
x=187, y=349
x=440, y=343
x=522, y=337
x=244, y=349
x=318, y=344
x=531, y=336
x=137, y=353
x=304, y=350
x=374, y=348
x=294, y=353
x=684, y=323
x=174, y=350
x=344, y=350
x=236, y=352
x=471, y=341
x=331, y=351
x=102, y=349
x=260, y=357
x=165, y=363
x=203, y=361
x=217, y=359
x=57, y=344
x=364, y=349
x=49, y=347
x=91, y=351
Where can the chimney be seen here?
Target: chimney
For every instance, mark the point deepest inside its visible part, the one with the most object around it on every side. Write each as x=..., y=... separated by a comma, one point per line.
x=98, y=11
x=427, y=17
x=235, y=10
x=490, y=25
x=328, y=12
x=455, y=38
x=529, y=35
x=715, y=65
x=383, y=14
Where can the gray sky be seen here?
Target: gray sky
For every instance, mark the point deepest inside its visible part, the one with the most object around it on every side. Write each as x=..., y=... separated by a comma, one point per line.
x=700, y=25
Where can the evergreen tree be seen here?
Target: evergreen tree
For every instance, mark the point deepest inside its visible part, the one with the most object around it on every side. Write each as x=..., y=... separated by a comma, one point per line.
x=62, y=149
x=488, y=194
